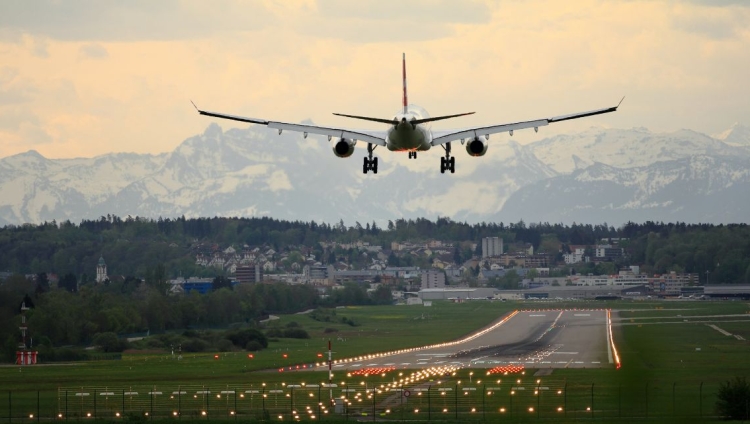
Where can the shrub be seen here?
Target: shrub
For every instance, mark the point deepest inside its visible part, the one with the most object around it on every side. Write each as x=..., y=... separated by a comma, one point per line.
x=323, y=314
x=274, y=332
x=194, y=345
x=733, y=399
x=296, y=333
x=108, y=342
x=349, y=321
x=330, y=330
x=191, y=334
x=154, y=343
x=292, y=324
x=241, y=338
x=224, y=345
x=253, y=346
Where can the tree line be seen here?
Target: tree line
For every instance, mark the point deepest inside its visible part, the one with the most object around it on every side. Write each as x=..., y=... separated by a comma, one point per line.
x=166, y=248
x=60, y=317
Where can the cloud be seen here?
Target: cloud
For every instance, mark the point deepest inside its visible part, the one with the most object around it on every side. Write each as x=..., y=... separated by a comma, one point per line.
x=34, y=134
x=111, y=20
x=93, y=51
x=354, y=21
x=720, y=3
x=297, y=59
x=712, y=22
x=417, y=12
x=12, y=90
x=39, y=48
x=375, y=21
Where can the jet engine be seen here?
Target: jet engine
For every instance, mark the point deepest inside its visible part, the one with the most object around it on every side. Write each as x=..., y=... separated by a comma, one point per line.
x=344, y=148
x=476, y=147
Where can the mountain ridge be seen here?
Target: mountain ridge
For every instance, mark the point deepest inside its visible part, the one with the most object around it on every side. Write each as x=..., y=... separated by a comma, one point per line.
x=254, y=171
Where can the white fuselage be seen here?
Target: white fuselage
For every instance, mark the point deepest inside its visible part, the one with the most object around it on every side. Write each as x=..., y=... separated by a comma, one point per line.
x=406, y=137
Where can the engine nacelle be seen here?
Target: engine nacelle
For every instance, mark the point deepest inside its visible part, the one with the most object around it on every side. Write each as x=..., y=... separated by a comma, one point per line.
x=476, y=147
x=344, y=148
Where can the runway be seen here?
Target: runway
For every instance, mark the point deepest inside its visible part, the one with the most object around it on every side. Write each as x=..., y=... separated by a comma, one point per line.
x=533, y=339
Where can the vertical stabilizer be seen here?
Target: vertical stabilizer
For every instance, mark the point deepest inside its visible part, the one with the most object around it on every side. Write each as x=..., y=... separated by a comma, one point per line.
x=403, y=69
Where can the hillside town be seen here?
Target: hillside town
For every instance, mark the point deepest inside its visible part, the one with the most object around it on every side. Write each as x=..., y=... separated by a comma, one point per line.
x=440, y=270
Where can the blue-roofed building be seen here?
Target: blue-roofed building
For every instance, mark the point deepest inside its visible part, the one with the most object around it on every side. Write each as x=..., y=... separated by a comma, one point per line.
x=200, y=285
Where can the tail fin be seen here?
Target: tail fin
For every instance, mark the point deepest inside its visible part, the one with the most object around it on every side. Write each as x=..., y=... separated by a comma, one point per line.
x=403, y=62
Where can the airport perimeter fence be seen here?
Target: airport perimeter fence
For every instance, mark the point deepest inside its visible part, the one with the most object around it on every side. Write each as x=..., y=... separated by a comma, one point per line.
x=509, y=400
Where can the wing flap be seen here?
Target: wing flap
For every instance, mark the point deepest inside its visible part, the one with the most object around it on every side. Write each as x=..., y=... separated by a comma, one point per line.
x=333, y=132
x=482, y=131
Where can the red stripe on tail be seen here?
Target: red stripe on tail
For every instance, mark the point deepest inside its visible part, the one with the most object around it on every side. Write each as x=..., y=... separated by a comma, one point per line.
x=403, y=68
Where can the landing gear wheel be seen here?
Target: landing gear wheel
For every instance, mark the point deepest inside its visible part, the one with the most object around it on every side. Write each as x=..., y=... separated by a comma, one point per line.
x=447, y=163
x=370, y=163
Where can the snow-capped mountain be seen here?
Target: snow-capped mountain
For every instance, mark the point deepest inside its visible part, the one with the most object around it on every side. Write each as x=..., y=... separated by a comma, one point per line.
x=738, y=135
x=595, y=176
x=632, y=148
x=695, y=189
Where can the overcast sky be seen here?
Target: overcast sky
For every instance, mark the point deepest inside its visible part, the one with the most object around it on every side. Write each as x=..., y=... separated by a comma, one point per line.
x=88, y=77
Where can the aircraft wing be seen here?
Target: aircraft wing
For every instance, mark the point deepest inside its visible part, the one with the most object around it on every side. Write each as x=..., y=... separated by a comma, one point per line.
x=442, y=137
x=374, y=137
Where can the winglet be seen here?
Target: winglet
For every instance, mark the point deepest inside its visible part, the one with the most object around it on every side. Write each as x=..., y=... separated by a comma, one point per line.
x=196, y=107
x=618, y=105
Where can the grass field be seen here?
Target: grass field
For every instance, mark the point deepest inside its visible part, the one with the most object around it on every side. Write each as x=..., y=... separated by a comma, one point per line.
x=672, y=361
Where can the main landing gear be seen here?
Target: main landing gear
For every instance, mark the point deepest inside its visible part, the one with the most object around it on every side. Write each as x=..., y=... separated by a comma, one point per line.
x=370, y=163
x=412, y=155
x=448, y=163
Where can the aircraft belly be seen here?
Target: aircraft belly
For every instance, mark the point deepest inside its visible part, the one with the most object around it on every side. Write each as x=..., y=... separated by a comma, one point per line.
x=399, y=139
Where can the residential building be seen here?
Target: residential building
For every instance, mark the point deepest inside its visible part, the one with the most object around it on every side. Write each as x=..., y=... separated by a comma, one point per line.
x=576, y=256
x=318, y=272
x=249, y=273
x=433, y=279
x=540, y=260
x=492, y=246
x=607, y=252
x=672, y=284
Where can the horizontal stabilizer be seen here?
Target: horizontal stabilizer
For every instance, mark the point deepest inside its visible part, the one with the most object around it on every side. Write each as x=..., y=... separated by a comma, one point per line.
x=439, y=118
x=367, y=118
x=395, y=122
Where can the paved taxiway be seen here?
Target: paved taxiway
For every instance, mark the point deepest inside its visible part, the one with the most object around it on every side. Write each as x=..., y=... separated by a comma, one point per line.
x=534, y=339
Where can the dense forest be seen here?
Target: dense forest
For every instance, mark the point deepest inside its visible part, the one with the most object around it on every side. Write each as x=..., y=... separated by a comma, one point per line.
x=59, y=317
x=145, y=253
x=166, y=248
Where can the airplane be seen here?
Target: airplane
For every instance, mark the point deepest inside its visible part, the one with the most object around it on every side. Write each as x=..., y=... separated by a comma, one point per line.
x=407, y=132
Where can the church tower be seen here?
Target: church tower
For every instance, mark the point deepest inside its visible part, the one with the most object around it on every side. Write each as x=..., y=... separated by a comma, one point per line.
x=101, y=270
